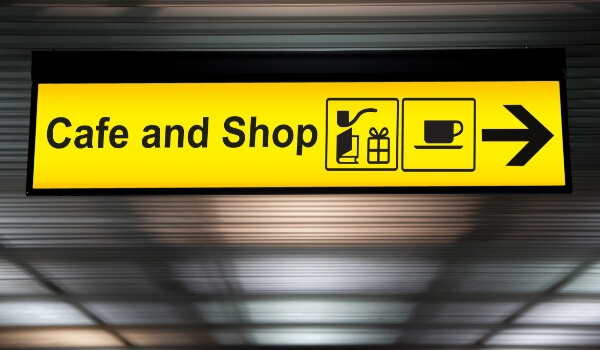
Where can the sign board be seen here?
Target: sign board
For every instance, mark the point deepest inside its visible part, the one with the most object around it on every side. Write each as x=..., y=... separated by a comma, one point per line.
x=297, y=134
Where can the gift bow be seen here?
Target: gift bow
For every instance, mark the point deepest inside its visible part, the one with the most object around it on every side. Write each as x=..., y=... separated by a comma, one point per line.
x=383, y=133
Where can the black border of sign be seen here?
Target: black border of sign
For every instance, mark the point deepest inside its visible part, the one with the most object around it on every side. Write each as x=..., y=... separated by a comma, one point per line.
x=299, y=66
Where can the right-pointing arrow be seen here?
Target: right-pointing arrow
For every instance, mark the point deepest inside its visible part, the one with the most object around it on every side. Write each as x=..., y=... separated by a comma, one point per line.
x=536, y=134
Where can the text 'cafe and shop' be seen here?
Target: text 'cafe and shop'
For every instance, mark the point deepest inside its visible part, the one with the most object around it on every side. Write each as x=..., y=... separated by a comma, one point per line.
x=315, y=135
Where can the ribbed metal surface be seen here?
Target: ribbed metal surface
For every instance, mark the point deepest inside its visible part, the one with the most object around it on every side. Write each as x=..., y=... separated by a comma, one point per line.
x=410, y=271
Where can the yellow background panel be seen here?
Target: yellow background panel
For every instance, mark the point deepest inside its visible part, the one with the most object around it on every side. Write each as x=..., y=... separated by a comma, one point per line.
x=138, y=105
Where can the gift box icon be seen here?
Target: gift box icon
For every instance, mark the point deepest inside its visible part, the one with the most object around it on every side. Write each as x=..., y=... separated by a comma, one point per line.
x=378, y=150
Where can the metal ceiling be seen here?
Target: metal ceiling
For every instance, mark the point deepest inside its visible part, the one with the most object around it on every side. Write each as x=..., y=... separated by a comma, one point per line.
x=468, y=272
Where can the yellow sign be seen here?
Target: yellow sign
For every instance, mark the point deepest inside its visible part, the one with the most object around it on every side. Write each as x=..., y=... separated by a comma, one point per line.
x=290, y=135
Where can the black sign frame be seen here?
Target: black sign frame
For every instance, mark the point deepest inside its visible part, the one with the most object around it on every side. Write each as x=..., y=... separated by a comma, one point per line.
x=50, y=67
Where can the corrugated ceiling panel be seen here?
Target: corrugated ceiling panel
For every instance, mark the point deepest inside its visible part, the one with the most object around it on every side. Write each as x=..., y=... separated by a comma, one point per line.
x=423, y=271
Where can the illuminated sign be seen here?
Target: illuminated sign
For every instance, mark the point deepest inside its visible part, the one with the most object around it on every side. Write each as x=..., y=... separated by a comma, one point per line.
x=297, y=136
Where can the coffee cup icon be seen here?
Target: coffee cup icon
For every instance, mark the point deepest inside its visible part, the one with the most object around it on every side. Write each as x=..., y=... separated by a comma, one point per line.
x=442, y=131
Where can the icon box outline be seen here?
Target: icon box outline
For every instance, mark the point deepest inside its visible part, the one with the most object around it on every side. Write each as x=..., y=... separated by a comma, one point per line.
x=360, y=99
x=474, y=132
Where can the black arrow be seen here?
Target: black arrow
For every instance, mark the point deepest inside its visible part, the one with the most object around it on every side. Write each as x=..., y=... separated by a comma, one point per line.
x=536, y=134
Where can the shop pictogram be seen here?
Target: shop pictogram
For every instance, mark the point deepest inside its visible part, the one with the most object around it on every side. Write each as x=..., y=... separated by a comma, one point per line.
x=362, y=134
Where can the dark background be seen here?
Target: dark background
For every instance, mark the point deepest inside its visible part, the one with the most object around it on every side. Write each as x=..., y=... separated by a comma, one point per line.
x=471, y=271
